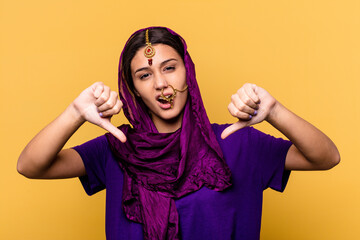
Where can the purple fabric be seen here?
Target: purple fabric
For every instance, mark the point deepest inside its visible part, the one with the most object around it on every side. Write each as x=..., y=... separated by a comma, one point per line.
x=256, y=161
x=159, y=167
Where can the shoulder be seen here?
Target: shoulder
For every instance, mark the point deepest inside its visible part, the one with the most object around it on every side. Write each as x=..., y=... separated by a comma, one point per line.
x=96, y=144
x=94, y=150
x=248, y=139
x=244, y=134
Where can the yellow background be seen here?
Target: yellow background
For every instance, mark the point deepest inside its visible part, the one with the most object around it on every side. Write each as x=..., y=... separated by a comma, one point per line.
x=305, y=53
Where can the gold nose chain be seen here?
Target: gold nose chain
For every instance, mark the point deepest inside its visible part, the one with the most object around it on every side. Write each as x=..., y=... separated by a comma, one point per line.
x=149, y=52
x=170, y=98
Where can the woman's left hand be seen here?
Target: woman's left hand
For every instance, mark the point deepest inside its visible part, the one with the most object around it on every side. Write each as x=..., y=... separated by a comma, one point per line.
x=251, y=104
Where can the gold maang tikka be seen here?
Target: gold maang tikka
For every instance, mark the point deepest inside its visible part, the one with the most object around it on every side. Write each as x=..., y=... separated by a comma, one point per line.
x=149, y=51
x=170, y=98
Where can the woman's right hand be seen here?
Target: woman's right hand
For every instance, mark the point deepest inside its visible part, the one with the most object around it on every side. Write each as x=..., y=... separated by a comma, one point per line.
x=44, y=156
x=97, y=104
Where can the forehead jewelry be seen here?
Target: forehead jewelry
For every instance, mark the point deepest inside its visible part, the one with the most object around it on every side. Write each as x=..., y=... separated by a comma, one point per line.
x=170, y=98
x=149, y=51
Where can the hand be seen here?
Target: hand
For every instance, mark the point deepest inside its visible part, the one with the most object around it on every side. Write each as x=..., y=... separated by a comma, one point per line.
x=251, y=105
x=97, y=104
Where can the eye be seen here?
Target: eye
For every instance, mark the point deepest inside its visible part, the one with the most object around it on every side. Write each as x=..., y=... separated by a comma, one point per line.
x=144, y=76
x=169, y=68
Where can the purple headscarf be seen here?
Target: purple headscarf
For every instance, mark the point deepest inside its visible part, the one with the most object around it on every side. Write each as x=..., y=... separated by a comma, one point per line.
x=159, y=167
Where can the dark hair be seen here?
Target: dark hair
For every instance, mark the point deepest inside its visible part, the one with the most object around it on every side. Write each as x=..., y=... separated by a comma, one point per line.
x=156, y=35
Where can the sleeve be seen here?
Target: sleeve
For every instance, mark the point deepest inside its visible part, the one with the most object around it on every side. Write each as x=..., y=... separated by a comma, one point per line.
x=271, y=160
x=93, y=154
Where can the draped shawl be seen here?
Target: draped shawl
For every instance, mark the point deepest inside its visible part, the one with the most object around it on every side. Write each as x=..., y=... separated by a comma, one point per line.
x=160, y=167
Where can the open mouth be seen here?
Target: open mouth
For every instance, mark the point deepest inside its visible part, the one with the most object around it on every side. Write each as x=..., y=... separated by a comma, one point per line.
x=163, y=101
x=167, y=101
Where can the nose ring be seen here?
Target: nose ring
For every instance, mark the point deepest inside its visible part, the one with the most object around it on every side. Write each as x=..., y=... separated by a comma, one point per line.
x=170, y=98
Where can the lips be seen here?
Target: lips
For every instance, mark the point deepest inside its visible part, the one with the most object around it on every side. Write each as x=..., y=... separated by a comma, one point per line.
x=158, y=96
x=164, y=104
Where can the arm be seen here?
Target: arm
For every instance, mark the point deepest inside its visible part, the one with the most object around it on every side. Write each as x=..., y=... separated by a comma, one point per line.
x=43, y=157
x=311, y=149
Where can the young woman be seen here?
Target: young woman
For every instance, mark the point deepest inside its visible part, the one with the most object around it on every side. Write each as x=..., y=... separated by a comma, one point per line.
x=172, y=174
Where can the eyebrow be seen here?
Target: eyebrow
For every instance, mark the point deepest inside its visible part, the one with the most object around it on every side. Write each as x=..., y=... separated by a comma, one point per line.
x=163, y=63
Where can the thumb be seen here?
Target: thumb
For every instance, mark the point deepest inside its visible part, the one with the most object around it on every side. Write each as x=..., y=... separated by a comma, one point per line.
x=233, y=128
x=114, y=130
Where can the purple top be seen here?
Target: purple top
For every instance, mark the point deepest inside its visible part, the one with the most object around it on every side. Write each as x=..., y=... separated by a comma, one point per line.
x=256, y=161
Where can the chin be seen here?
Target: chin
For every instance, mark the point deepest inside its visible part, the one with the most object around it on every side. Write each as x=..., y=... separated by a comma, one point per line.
x=171, y=116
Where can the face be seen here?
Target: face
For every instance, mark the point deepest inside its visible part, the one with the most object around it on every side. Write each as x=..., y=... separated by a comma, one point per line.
x=167, y=69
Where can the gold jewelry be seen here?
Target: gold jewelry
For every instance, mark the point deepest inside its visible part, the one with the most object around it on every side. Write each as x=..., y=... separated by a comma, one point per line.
x=170, y=98
x=149, y=51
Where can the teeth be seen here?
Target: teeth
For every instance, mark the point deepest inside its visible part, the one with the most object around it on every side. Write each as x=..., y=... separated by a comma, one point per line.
x=166, y=97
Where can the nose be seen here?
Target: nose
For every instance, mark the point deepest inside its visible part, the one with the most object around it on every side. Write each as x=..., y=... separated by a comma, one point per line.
x=160, y=82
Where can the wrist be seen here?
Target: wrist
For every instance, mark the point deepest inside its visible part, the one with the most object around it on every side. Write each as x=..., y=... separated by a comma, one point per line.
x=274, y=114
x=74, y=115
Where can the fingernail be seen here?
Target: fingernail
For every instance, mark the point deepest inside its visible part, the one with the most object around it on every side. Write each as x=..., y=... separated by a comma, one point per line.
x=255, y=112
x=101, y=114
x=250, y=117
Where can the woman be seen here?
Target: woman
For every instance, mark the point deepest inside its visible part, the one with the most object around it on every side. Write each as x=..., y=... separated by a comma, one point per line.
x=154, y=171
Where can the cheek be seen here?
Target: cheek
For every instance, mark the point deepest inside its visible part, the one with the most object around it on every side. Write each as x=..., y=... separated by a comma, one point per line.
x=183, y=77
x=179, y=79
x=140, y=87
x=136, y=91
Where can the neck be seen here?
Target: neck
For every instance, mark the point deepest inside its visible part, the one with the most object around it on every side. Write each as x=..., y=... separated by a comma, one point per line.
x=168, y=126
